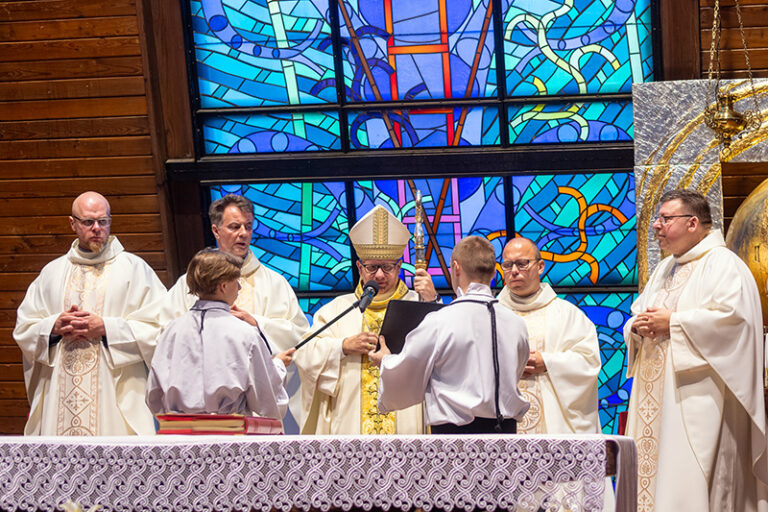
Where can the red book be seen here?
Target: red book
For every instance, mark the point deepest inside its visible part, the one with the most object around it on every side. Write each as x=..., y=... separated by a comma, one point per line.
x=217, y=424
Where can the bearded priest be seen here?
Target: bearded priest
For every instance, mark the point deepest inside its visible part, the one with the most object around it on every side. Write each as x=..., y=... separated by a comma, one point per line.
x=87, y=329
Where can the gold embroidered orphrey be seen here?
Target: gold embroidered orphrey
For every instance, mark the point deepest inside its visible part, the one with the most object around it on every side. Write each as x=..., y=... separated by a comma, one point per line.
x=78, y=400
x=533, y=422
x=371, y=421
x=649, y=381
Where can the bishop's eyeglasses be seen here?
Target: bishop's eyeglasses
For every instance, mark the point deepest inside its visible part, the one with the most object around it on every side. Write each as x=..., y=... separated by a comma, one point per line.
x=372, y=268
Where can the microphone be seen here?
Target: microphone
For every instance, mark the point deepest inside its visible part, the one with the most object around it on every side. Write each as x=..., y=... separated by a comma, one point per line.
x=370, y=290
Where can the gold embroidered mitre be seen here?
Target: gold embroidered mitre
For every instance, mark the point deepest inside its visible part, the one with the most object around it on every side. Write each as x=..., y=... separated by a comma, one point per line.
x=379, y=236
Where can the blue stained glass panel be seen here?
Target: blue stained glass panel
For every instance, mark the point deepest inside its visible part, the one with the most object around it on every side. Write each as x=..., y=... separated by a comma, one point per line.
x=578, y=47
x=609, y=312
x=469, y=206
x=405, y=50
x=272, y=133
x=558, y=123
x=300, y=230
x=433, y=127
x=250, y=54
x=583, y=223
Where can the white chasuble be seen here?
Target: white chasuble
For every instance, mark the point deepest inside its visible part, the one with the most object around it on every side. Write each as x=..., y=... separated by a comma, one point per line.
x=696, y=410
x=339, y=392
x=564, y=398
x=97, y=386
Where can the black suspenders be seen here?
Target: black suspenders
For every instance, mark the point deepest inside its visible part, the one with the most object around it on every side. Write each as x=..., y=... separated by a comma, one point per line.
x=495, y=347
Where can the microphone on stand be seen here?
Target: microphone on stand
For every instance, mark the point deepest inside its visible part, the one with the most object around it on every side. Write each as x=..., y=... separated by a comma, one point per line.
x=370, y=290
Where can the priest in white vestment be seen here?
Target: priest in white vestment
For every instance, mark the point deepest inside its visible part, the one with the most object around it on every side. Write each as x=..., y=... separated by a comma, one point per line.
x=465, y=359
x=339, y=385
x=694, y=347
x=208, y=361
x=266, y=298
x=560, y=378
x=87, y=328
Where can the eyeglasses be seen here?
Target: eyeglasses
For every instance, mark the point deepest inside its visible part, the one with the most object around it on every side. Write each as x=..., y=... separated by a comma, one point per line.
x=103, y=222
x=372, y=268
x=520, y=264
x=666, y=219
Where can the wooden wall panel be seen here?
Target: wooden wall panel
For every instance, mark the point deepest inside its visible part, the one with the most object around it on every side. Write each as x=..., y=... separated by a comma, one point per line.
x=755, y=22
x=75, y=115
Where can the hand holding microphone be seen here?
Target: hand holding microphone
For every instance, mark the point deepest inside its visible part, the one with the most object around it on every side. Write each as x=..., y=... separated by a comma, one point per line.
x=370, y=290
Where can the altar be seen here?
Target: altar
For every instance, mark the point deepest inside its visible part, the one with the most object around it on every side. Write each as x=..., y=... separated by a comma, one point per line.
x=185, y=473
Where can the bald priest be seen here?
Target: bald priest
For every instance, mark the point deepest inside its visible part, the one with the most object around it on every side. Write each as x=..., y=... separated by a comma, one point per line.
x=87, y=329
x=339, y=384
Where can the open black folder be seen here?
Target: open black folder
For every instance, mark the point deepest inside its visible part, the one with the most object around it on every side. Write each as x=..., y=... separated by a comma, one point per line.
x=402, y=317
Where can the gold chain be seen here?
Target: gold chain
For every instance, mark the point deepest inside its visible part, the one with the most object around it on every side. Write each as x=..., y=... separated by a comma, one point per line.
x=746, y=56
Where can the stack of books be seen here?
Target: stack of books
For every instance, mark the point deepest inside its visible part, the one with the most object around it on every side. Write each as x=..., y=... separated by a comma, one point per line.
x=217, y=424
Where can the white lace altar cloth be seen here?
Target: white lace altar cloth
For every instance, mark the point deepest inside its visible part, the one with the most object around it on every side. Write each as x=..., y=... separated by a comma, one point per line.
x=184, y=473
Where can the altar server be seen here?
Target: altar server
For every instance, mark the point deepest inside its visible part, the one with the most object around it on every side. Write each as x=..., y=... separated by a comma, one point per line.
x=87, y=328
x=464, y=360
x=695, y=351
x=560, y=378
x=339, y=385
x=209, y=361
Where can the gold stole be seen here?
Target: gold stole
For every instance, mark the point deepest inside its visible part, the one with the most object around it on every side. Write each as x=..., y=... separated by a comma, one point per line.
x=78, y=400
x=371, y=422
x=649, y=382
x=533, y=422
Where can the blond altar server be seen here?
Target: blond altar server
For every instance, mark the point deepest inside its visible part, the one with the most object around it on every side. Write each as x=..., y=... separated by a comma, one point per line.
x=694, y=348
x=464, y=360
x=560, y=379
x=339, y=385
x=87, y=329
x=266, y=300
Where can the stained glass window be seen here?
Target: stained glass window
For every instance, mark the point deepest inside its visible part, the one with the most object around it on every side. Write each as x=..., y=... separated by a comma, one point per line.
x=256, y=54
x=585, y=223
x=272, y=133
x=300, y=230
x=576, y=47
x=455, y=208
x=424, y=127
x=609, y=312
x=597, y=121
x=262, y=53
x=431, y=49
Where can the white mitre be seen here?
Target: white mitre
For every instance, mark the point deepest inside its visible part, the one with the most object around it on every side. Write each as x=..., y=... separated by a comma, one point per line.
x=379, y=236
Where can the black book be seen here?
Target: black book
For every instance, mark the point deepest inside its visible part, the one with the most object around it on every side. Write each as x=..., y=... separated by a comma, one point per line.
x=401, y=318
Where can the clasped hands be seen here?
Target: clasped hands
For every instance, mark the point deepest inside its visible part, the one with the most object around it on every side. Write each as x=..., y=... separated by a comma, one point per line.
x=652, y=323
x=535, y=365
x=78, y=324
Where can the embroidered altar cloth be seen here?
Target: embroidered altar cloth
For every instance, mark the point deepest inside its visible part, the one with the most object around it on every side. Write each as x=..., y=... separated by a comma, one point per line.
x=184, y=473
